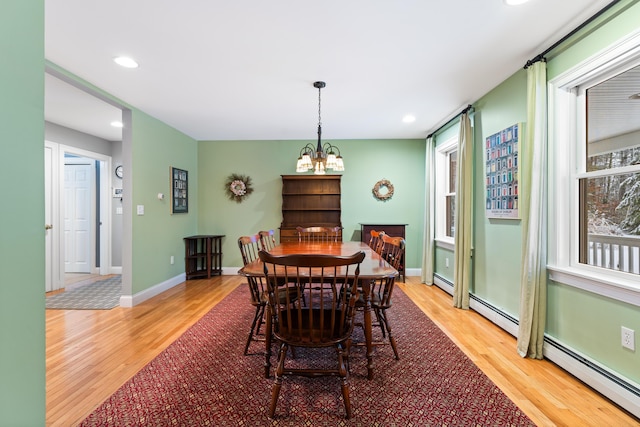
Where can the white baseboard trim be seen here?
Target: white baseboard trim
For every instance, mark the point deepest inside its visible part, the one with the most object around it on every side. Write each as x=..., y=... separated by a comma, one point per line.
x=230, y=271
x=115, y=270
x=620, y=390
x=133, y=300
x=443, y=284
x=414, y=272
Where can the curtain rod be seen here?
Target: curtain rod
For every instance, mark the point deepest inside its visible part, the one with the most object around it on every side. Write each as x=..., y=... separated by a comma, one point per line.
x=541, y=57
x=466, y=110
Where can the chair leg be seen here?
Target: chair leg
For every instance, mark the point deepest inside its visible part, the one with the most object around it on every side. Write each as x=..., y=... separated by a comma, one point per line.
x=344, y=380
x=380, y=321
x=387, y=326
x=277, y=384
x=267, y=344
x=258, y=315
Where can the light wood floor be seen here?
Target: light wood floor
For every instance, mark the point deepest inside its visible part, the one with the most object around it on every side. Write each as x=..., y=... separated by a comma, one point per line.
x=90, y=354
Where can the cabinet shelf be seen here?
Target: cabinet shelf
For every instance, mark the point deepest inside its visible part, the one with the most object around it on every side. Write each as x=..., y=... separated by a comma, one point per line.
x=309, y=200
x=310, y=209
x=311, y=195
x=203, y=256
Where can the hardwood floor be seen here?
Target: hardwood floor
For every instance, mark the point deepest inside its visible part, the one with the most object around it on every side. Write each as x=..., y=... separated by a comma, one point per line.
x=90, y=354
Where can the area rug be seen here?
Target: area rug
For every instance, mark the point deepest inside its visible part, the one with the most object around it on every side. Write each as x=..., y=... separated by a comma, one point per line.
x=203, y=379
x=100, y=295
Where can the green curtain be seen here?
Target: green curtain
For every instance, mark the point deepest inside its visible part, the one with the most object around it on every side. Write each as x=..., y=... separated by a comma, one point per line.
x=429, y=214
x=463, y=218
x=533, y=206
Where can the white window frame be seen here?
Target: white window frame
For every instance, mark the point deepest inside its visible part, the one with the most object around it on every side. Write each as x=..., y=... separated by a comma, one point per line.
x=567, y=163
x=442, y=191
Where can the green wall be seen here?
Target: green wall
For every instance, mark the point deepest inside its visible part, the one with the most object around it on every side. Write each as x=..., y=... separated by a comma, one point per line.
x=157, y=235
x=583, y=321
x=497, y=245
x=366, y=162
x=22, y=325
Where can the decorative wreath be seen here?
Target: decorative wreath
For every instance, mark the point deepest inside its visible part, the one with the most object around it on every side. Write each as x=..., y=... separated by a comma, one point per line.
x=383, y=183
x=238, y=187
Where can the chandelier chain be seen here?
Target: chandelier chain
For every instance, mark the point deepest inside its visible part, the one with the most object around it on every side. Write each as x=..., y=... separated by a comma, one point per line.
x=319, y=102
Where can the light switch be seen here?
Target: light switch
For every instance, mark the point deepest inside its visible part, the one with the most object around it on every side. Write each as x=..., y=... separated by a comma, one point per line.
x=140, y=209
x=119, y=210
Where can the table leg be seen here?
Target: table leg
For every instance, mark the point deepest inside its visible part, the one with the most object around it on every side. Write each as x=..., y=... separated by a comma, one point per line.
x=366, y=291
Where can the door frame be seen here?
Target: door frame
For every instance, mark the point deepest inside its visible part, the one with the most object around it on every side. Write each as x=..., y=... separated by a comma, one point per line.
x=53, y=266
x=105, y=207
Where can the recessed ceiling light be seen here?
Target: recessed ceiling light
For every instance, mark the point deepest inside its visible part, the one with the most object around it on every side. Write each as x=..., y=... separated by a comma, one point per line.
x=515, y=2
x=125, y=62
x=117, y=124
x=409, y=118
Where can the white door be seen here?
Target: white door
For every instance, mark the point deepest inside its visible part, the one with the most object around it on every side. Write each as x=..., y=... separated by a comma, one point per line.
x=79, y=199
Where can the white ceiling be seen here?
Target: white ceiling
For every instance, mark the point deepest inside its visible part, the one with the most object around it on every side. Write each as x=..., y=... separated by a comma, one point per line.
x=244, y=70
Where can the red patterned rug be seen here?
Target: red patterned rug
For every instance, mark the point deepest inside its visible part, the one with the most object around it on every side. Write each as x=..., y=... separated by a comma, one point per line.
x=203, y=379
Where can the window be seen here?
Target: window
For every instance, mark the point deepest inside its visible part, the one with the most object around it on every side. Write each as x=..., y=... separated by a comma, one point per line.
x=609, y=186
x=446, y=170
x=594, y=174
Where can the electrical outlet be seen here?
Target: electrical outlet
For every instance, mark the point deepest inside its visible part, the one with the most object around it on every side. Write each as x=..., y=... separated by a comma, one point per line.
x=628, y=338
x=172, y=260
x=446, y=262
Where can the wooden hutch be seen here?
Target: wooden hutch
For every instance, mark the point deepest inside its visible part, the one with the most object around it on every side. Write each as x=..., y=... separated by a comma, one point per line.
x=309, y=201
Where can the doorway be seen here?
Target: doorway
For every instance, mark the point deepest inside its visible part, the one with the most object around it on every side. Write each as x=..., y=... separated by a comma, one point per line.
x=77, y=213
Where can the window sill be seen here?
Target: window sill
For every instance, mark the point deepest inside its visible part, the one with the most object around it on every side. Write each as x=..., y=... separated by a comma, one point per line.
x=445, y=244
x=618, y=288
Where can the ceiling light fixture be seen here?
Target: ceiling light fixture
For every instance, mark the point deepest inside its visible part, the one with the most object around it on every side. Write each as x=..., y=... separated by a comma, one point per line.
x=125, y=62
x=324, y=156
x=409, y=118
x=515, y=2
x=116, y=124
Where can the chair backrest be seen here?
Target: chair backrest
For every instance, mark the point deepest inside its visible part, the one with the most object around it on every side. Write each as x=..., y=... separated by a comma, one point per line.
x=267, y=240
x=393, y=250
x=249, y=248
x=375, y=242
x=326, y=317
x=318, y=234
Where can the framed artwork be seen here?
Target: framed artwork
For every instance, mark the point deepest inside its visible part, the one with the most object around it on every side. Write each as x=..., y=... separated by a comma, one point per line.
x=179, y=190
x=501, y=173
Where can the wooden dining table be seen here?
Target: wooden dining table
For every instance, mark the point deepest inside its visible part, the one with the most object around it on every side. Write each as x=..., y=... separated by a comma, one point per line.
x=372, y=268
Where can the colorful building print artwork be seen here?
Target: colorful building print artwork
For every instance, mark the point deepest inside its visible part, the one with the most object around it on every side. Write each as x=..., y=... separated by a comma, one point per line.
x=501, y=171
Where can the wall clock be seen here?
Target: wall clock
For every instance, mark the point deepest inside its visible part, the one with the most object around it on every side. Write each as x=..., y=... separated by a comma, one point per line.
x=119, y=171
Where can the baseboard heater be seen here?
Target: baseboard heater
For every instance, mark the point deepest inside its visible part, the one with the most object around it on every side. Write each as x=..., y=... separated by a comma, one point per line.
x=622, y=391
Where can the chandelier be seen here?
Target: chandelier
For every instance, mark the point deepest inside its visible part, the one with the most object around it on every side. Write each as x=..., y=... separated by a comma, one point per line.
x=322, y=157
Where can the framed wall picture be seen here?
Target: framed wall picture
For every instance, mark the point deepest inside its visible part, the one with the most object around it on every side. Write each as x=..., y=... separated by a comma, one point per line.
x=179, y=190
x=501, y=173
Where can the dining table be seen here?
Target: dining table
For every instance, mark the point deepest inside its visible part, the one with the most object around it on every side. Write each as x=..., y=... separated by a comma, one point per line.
x=372, y=268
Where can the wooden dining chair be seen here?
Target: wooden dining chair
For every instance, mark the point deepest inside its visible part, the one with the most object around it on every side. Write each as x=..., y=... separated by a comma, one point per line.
x=249, y=248
x=382, y=290
x=267, y=240
x=318, y=234
x=325, y=321
x=375, y=242
x=388, y=249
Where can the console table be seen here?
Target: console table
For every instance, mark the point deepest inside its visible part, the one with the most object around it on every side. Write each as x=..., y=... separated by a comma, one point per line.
x=203, y=256
x=395, y=230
